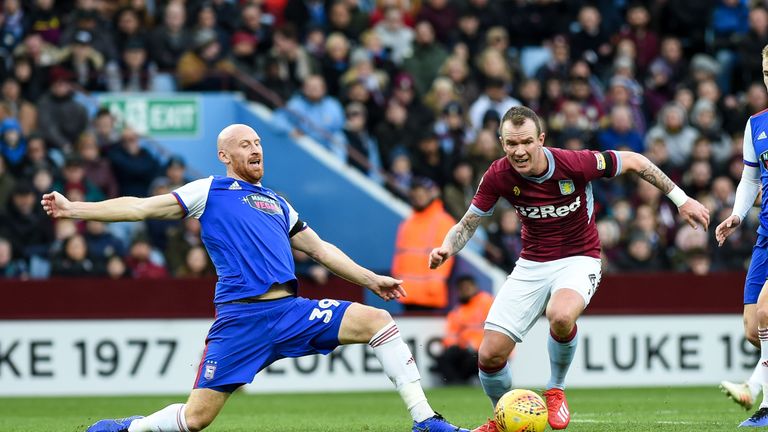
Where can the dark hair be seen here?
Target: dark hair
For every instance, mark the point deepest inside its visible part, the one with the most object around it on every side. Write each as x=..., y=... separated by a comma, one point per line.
x=517, y=115
x=466, y=278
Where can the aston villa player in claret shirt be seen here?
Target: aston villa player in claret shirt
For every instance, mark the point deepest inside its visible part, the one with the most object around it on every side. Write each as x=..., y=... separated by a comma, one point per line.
x=559, y=266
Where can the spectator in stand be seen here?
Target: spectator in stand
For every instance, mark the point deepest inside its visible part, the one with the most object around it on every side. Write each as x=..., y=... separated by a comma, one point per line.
x=30, y=66
x=101, y=243
x=620, y=133
x=638, y=30
x=135, y=72
x=11, y=268
x=12, y=28
x=24, y=225
x=116, y=268
x=196, y=265
x=19, y=107
x=363, y=73
x=429, y=222
x=44, y=19
x=404, y=92
x=610, y=251
x=458, y=193
x=139, y=261
x=204, y=68
x=74, y=261
x=440, y=95
x=456, y=69
x=206, y=21
x=336, y=62
x=590, y=42
x=133, y=165
x=467, y=33
x=293, y=64
x=394, y=135
x=495, y=98
x=315, y=114
x=181, y=238
x=453, y=130
x=484, y=151
x=38, y=157
x=73, y=177
x=505, y=242
x=698, y=179
x=86, y=18
x=363, y=153
x=671, y=58
x=61, y=118
x=753, y=42
x=430, y=161
x=672, y=127
x=7, y=182
x=107, y=136
x=442, y=15
x=84, y=62
x=340, y=19
x=559, y=61
x=463, y=333
x=13, y=145
x=128, y=28
x=395, y=36
x=168, y=42
x=244, y=55
x=638, y=257
x=426, y=57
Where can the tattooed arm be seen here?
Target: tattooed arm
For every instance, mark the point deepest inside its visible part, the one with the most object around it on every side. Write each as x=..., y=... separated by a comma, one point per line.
x=691, y=210
x=455, y=240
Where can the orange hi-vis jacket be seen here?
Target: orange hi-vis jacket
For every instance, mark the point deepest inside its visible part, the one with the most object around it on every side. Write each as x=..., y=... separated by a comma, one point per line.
x=464, y=324
x=416, y=237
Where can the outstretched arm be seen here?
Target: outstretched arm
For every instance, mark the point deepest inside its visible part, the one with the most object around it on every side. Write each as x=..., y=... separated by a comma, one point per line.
x=342, y=265
x=455, y=240
x=114, y=210
x=691, y=210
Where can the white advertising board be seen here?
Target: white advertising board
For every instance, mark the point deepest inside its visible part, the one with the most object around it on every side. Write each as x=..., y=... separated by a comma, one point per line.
x=85, y=357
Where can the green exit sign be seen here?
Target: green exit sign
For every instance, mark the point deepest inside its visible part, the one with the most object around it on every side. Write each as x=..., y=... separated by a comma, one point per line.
x=155, y=116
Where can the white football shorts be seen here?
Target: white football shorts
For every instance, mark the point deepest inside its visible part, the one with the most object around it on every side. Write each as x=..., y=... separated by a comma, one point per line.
x=524, y=295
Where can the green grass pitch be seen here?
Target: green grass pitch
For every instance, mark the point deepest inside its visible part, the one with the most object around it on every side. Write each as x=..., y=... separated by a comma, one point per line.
x=687, y=409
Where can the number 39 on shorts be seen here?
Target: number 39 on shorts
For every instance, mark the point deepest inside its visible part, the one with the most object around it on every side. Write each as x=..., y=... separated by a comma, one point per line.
x=323, y=310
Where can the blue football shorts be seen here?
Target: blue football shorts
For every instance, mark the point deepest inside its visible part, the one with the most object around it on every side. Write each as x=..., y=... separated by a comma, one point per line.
x=246, y=338
x=758, y=271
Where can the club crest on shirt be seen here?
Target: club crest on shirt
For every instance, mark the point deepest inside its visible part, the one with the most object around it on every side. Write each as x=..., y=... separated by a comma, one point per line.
x=210, y=370
x=263, y=204
x=764, y=159
x=516, y=191
x=566, y=187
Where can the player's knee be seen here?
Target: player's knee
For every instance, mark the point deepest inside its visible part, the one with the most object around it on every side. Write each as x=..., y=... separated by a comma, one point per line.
x=487, y=359
x=762, y=316
x=377, y=319
x=561, y=323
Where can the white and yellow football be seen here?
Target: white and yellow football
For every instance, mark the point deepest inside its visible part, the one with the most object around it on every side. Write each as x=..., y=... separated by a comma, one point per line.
x=521, y=410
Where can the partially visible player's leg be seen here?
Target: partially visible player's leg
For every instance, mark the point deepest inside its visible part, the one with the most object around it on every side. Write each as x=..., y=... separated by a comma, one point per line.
x=573, y=287
x=201, y=408
x=494, y=371
x=203, y=405
x=365, y=324
x=745, y=393
x=760, y=418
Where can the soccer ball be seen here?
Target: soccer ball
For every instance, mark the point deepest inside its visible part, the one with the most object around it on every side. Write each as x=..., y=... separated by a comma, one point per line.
x=521, y=410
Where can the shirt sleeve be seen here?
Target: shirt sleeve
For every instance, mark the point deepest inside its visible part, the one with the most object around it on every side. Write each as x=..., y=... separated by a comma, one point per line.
x=193, y=196
x=486, y=196
x=748, y=147
x=592, y=164
x=293, y=218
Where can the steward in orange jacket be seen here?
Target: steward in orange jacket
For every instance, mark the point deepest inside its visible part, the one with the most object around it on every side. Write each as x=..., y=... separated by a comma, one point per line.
x=416, y=237
x=463, y=333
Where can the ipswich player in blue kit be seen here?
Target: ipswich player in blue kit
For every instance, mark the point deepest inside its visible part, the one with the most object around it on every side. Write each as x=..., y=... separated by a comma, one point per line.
x=249, y=231
x=754, y=177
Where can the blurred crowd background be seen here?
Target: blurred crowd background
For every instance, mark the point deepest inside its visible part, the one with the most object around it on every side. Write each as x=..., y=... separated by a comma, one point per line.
x=406, y=91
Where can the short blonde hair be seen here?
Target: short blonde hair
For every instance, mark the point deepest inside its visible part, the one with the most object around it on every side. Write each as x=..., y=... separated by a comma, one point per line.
x=765, y=52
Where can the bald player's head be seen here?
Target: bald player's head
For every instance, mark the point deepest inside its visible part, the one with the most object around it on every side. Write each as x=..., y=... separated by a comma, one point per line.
x=231, y=133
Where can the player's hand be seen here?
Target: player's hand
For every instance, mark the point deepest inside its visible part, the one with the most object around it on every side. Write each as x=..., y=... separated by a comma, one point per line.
x=56, y=205
x=438, y=256
x=387, y=288
x=694, y=213
x=726, y=228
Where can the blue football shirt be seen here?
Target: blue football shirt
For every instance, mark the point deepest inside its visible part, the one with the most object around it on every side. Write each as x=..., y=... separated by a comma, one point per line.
x=756, y=155
x=245, y=229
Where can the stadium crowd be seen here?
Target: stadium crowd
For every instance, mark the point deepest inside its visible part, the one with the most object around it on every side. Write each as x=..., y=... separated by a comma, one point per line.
x=401, y=90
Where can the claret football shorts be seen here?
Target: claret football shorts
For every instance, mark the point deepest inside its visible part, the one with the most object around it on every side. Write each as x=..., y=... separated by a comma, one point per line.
x=524, y=295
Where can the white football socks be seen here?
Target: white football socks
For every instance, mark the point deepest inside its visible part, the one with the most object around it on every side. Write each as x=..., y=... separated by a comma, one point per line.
x=762, y=334
x=755, y=381
x=399, y=366
x=168, y=419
